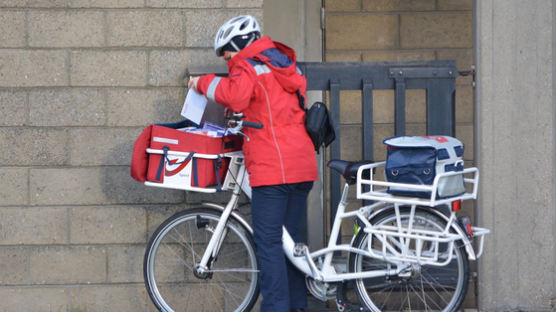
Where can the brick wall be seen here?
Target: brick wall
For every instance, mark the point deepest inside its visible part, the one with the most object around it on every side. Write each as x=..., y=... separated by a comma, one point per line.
x=79, y=79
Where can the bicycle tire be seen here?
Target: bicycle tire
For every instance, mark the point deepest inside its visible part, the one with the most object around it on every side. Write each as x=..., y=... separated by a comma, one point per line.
x=430, y=288
x=177, y=245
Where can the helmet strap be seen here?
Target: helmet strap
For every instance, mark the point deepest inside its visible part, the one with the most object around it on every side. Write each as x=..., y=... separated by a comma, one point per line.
x=250, y=40
x=233, y=44
x=252, y=37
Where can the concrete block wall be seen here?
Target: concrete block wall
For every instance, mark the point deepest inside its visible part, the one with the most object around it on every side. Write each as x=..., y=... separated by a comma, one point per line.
x=516, y=129
x=79, y=80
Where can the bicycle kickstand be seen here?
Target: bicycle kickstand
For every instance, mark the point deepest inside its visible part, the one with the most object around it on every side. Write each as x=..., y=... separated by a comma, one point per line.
x=343, y=304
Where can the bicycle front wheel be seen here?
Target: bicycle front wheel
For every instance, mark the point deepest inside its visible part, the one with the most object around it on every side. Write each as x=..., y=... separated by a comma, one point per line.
x=420, y=287
x=177, y=246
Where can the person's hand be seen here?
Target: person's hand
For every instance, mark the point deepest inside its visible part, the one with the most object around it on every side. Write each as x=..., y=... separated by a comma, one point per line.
x=193, y=83
x=228, y=113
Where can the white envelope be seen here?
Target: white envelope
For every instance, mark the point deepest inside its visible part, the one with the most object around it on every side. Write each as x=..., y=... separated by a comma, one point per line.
x=194, y=106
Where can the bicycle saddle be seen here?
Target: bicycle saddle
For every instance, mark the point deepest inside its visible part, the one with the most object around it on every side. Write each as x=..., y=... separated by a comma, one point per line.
x=348, y=169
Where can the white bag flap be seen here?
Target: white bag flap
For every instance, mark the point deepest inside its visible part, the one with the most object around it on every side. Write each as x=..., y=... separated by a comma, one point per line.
x=453, y=146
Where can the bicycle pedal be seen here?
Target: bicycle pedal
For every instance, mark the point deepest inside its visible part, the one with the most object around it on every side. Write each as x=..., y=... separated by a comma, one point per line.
x=299, y=250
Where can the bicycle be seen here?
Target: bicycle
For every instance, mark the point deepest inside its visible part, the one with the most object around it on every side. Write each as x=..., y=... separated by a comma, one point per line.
x=405, y=254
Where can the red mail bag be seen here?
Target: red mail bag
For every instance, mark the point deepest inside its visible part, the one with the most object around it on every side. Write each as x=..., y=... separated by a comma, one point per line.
x=181, y=158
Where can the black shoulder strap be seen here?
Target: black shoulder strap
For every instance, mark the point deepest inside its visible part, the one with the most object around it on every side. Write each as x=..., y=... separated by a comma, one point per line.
x=301, y=100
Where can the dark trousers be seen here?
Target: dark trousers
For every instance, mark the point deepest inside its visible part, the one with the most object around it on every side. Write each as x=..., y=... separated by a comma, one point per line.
x=282, y=285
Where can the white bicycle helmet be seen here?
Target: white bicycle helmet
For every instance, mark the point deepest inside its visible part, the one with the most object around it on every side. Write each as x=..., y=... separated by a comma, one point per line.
x=237, y=26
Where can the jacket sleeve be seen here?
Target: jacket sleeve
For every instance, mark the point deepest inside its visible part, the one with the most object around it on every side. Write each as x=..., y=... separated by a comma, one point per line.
x=234, y=91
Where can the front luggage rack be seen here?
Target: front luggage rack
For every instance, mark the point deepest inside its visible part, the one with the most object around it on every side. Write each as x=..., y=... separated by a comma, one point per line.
x=185, y=182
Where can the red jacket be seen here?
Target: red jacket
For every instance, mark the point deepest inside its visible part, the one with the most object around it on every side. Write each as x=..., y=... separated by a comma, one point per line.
x=262, y=83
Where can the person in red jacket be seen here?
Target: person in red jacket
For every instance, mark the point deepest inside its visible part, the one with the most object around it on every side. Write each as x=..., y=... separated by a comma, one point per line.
x=264, y=83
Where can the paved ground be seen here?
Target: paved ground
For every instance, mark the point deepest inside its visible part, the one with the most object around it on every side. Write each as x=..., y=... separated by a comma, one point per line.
x=314, y=305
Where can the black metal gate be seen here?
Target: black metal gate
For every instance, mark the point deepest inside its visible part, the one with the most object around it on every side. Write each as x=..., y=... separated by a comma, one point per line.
x=436, y=77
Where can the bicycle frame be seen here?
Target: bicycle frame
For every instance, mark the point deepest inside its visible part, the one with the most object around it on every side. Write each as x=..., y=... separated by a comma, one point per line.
x=237, y=180
x=328, y=273
x=306, y=264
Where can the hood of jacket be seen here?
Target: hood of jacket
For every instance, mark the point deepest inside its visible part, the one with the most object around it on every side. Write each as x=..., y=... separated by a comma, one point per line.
x=280, y=59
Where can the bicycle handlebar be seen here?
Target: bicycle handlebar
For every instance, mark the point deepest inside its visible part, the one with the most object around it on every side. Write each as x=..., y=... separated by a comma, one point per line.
x=236, y=121
x=251, y=124
x=235, y=124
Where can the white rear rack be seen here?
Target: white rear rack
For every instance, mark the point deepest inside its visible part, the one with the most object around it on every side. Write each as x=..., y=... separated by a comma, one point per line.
x=377, y=189
x=402, y=242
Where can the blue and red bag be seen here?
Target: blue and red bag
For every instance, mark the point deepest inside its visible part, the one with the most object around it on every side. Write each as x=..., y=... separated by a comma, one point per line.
x=418, y=160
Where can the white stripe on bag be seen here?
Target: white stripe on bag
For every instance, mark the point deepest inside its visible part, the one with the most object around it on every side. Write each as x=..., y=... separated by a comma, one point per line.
x=165, y=140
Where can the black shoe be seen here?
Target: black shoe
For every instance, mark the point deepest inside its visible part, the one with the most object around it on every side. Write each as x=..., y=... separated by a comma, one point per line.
x=298, y=310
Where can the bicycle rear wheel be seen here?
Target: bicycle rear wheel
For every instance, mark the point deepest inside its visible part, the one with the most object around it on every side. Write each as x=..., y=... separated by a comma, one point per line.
x=177, y=246
x=422, y=287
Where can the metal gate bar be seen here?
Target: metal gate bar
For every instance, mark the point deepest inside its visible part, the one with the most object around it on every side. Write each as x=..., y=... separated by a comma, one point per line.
x=399, y=106
x=335, y=147
x=367, y=119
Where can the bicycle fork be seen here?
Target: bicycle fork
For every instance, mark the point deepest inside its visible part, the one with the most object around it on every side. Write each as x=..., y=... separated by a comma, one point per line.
x=216, y=239
x=219, y=232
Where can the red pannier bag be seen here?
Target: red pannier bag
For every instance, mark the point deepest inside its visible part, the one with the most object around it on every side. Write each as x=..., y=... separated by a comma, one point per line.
x=184, y=158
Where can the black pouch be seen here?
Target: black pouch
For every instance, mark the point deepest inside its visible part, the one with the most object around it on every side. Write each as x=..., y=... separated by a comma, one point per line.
x=318, y=123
